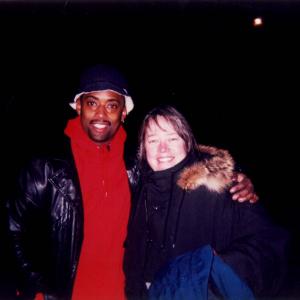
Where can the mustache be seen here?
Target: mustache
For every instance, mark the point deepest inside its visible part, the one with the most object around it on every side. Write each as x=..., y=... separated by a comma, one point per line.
x=100, y=121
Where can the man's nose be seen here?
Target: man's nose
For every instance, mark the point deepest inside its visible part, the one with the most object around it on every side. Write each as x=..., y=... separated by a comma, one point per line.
x=101, y=111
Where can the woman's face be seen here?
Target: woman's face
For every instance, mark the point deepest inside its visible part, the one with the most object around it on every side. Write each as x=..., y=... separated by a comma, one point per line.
x=164, y=147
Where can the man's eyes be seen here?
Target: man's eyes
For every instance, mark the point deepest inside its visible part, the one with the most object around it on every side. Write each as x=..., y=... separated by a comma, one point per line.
x=91, y=102
x=112, y=106
x=108, y=106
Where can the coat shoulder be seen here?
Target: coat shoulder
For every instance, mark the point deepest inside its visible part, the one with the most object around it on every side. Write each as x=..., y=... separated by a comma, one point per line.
x=214, y=170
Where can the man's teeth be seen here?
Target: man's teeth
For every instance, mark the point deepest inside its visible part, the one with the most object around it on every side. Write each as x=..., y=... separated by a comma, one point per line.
x=99, y=126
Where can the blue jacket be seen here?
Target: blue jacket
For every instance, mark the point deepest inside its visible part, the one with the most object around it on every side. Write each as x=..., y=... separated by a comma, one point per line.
x=190, y=276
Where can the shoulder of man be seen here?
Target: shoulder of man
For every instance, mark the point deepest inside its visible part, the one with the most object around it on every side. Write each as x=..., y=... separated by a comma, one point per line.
x=54, y=154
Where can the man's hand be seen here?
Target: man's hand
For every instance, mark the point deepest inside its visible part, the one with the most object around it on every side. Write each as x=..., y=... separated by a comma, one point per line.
x=243, y=189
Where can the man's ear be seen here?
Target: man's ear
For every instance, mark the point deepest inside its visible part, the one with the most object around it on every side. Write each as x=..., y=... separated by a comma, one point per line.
x=78, y=106
x=124, y=115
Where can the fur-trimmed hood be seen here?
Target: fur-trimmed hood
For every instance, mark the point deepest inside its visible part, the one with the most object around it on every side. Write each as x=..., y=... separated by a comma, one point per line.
x=214, y=171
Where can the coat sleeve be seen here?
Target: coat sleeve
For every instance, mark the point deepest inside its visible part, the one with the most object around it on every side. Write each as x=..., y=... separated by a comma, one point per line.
x=258, y=248
x=26, y=217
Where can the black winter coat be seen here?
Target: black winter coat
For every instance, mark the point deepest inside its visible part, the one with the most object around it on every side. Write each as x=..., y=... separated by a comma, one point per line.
x=53, y=200
x=189, y=206
x=51, y=186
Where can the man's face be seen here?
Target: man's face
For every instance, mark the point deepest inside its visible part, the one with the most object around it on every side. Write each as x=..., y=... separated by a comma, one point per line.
x=101, y=114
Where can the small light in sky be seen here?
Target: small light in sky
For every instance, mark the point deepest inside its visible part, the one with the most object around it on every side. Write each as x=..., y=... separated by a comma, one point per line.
x=257, y=22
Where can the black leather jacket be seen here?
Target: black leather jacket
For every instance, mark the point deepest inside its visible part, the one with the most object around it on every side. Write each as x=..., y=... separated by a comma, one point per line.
x=47, y=194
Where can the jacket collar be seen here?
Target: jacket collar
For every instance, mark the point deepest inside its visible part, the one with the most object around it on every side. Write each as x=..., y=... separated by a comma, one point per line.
x=214, y=170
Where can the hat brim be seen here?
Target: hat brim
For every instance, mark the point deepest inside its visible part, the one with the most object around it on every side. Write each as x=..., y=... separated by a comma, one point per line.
x=128, y=101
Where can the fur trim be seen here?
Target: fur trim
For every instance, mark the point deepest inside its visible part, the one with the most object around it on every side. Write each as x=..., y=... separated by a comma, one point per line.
x=214, y=172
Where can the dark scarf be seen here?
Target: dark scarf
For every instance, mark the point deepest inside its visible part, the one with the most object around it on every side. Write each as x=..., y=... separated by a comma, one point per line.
x=159, y=189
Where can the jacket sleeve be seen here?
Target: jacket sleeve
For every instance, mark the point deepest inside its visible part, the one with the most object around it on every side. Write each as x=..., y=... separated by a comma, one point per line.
x=26, y=217
x=258, y=249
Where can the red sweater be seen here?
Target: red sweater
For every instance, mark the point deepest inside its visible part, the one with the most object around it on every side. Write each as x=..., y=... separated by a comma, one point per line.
x=106, y=202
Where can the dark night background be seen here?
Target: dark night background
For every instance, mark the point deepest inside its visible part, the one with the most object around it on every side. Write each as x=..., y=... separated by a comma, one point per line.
x=238, y=85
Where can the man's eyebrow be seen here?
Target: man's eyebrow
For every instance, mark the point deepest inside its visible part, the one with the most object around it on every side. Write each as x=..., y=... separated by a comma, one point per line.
x=113, y=99
x=88, y=96
x=96, y=98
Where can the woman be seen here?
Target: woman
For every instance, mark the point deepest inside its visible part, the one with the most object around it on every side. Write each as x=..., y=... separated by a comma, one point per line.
x=182, y=203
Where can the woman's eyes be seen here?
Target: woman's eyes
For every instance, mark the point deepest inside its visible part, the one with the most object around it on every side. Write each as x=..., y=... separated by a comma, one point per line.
x=153, y=141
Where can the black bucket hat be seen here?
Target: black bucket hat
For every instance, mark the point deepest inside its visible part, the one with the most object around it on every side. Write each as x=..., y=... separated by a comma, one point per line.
x=103, y=77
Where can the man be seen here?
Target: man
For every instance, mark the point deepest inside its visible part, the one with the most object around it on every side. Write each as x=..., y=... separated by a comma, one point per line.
x=69, y=216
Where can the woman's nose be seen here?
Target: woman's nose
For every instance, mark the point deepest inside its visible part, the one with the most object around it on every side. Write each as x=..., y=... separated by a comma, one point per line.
x=163, y=147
